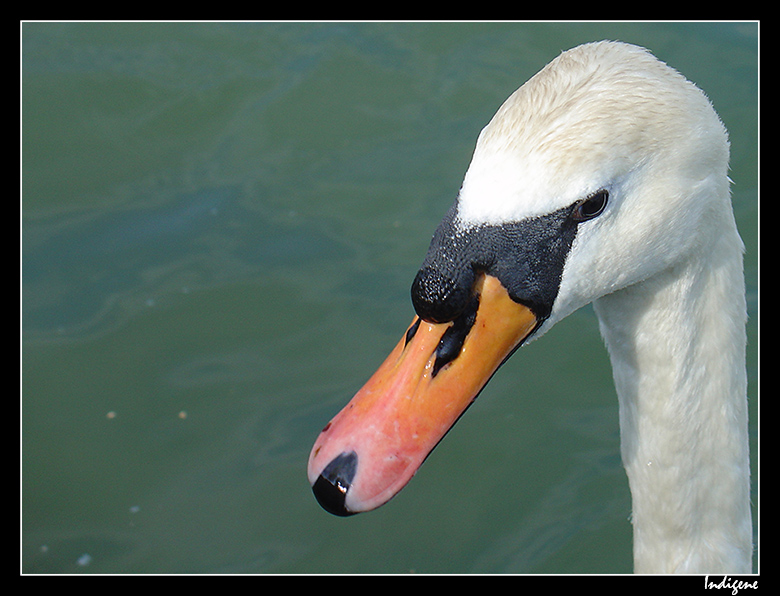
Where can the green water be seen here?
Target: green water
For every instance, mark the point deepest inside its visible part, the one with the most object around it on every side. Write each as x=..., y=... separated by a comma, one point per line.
x=220, y=225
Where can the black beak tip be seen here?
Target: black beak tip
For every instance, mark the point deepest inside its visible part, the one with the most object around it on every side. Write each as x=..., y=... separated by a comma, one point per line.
x=334, y=482
x=331, y=496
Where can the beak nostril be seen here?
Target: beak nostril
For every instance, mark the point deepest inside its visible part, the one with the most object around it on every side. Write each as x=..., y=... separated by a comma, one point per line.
x=334, y=482
x=452, y=341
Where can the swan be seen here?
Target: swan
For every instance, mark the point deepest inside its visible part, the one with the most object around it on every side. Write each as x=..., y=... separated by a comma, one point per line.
x=603, y=180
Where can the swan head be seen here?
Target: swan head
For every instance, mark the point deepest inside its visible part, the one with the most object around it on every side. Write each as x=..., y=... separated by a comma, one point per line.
x=596, y=174
x=605, y=120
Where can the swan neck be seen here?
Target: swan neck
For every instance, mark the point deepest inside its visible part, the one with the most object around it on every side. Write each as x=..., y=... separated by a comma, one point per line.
x=677, y=346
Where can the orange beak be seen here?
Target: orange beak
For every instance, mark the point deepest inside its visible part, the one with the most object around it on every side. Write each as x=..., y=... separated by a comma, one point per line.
x=373, y=447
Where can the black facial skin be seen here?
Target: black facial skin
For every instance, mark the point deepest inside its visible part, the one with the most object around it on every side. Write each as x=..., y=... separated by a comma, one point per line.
x=527, y=257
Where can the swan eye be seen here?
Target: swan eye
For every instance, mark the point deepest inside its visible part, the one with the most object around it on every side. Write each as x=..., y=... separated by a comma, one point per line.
x=591, y=207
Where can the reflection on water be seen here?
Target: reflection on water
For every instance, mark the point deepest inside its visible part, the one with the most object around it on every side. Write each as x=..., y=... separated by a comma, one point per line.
x=77, y=268
x=109, y=255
